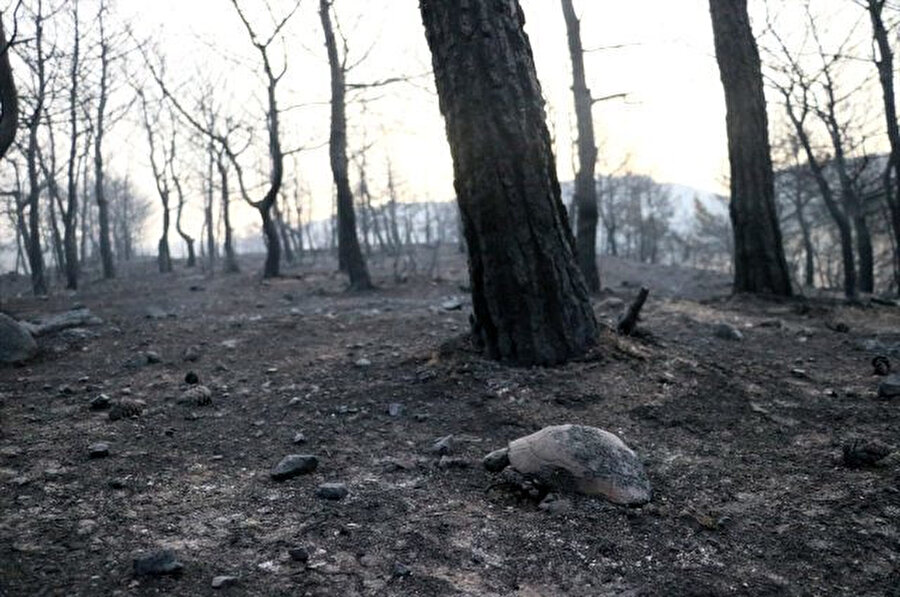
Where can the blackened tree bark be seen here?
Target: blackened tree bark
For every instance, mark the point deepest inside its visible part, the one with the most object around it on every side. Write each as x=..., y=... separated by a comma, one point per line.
x=35, y=252
x=759, y=262
x=9, y=97
x=70, y=216
x=163, y=255
x=585, y=186
x=106, y=253
x=350, y=254
x=532, y=306
x=884, y=61
x=208, y=208
x=179, y=191
x=231, y=265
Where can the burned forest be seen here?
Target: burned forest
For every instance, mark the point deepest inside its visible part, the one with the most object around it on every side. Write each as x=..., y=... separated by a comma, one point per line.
x=524, y=298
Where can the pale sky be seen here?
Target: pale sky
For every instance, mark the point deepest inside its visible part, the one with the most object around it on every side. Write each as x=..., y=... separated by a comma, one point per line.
x=672, y=125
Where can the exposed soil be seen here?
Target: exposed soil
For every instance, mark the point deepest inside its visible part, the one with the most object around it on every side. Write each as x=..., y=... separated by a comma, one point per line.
x=741, y=440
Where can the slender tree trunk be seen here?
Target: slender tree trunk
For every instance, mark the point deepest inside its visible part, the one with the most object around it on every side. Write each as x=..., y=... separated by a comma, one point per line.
x=350, y=254
x=585, y=186
x=35, y=252
x=70, y=217
x=106, y=253
x=273, y=246
x=759, y=262
x=285, y=237
x=231, y=264
x=188, y=239
x=531, y=304
x=208, y=211
x=806, y=235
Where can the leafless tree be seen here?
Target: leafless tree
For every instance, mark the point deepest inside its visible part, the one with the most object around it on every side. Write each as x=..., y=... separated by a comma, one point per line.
x=9, y=97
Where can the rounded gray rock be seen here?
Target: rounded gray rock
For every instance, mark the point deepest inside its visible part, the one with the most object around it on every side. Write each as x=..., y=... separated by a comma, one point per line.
x=578, y=458
x=294, y=465
x=16, y=344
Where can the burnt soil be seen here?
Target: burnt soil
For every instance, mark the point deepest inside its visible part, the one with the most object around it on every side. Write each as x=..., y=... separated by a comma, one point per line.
x=741, y=440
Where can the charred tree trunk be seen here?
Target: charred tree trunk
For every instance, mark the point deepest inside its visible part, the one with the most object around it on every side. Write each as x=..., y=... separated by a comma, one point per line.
x=208, y=212
x=585, y=187
x=106, y=253
x=885, y=64
x=231, y=265
x=273, y=245
x=70, y=217
x=349, y=252
x=9, y=97
x=532, y=306
x=188, y=239
x=285, y=236
x=759, y=262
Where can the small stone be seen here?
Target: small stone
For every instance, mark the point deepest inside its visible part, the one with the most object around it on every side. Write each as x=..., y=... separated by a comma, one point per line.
x=157, y=563
x=332, y=491
x=295, y=401
x=294, y=465
x=497, y=460
x=860, y=453
x=395, y=409
x=363, y=363
x=299, y=554
x=799, y=373
x=197, y=395
x=881, y=365
x=100, y=402
x=125, y=409
x=98, y=450
x=890, y=387
x=442, y=446
x=299, y=438
x=553, y=504
x=191, y=378
x=116, y=483
x=453, y=304
x=192, y=353
x=152, y=357
x=16, y=342
x=66, y=390
x=449, y=462
x=401, y=570
x=222, y=582
x=726, y=331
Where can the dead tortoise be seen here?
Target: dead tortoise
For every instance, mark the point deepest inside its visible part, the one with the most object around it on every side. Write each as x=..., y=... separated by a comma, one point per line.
x=577, y=458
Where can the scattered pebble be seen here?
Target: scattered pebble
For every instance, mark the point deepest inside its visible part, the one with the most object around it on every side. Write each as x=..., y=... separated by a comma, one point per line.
x=192, y=353
x=197, y=395
x=890, y=387
x=881, y=365
x=152, y=357
x=191, y=378
x=294, y=465
x=157, y=563
x=98, y=450
x=553, y=504
x=448, y=462
x=395, y=409
x=222, y=582
x=100, y=402
x=124, y=409
x=299, y=438
x=363, y=363
x=299, y=554
x=726, y=331
x=401, y=570
x=332, y=491
x=863, y=453
x=442, y=446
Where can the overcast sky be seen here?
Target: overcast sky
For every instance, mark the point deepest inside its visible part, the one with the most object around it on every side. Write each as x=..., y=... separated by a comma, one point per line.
x=671, y=126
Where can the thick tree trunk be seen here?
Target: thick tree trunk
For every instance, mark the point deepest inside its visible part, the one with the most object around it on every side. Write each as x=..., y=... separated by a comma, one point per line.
x=885, y=64
x=585, y=186
x=865, y=253
x=759, y=262
x=164, y=256
x=9, y=98
x=349, y=252
x=532, y=306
